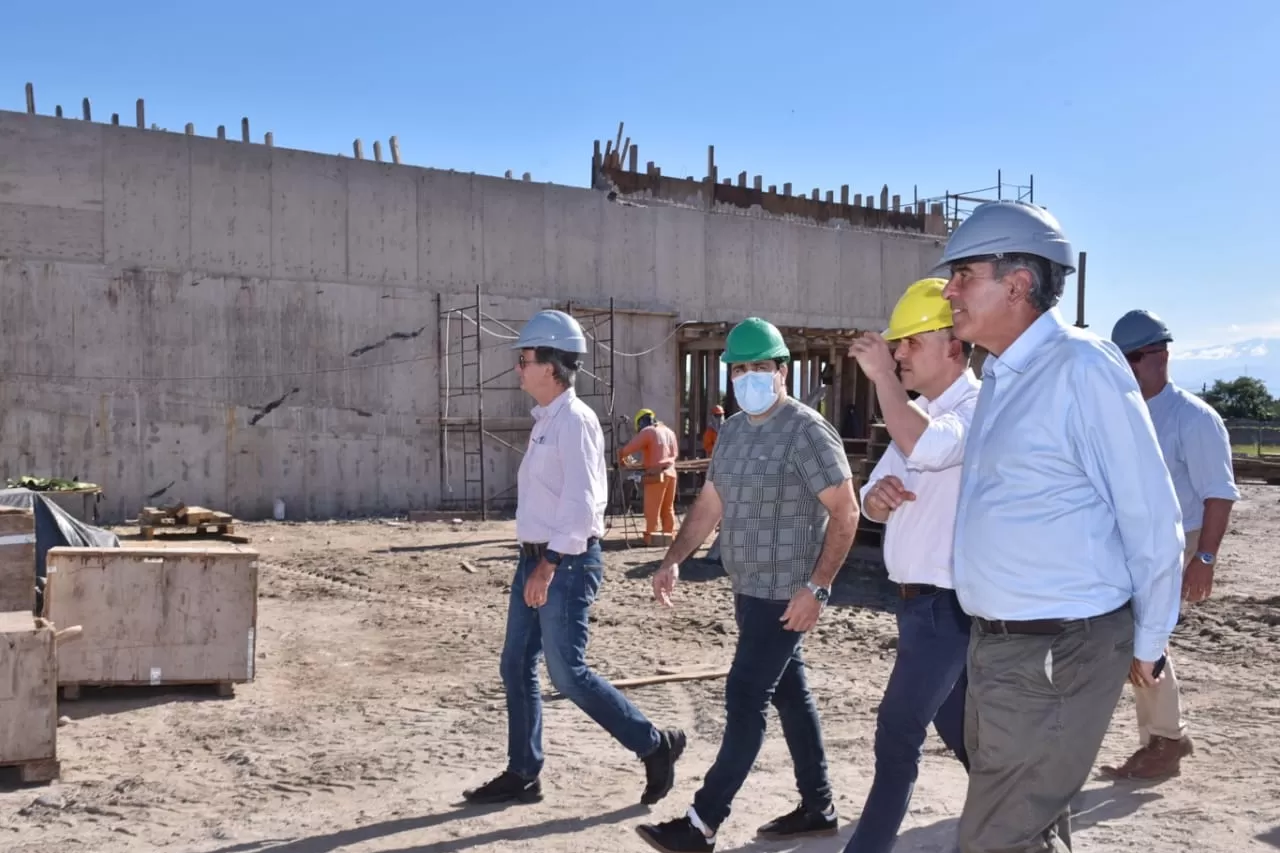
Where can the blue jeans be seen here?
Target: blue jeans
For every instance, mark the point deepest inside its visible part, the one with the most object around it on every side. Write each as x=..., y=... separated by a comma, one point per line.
x=559, y=630
x=927, y=685
x=767, y=666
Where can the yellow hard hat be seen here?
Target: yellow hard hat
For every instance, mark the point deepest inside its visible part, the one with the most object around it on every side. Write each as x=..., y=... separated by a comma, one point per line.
x=644, y=413
x=921, y=309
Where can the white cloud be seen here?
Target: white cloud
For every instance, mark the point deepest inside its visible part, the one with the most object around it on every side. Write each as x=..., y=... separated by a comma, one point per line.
x=1234, y=333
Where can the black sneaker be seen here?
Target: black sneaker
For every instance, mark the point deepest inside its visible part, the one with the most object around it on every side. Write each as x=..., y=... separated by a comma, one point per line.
x=675, y=836
x=507, y=788
x=801, y=823
x=660, y=767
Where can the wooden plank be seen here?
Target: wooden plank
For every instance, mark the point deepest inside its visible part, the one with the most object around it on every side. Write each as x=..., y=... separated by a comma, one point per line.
x=155, y=616
x=664, y=678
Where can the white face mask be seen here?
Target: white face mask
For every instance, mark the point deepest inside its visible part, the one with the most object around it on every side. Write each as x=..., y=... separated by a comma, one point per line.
x=755, y=392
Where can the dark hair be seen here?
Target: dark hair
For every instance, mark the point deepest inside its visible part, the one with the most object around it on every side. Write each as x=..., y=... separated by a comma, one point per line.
x=564, y=365
x=1048, y=279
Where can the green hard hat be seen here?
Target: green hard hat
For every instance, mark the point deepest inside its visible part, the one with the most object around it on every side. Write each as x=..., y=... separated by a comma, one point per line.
x=754, y=340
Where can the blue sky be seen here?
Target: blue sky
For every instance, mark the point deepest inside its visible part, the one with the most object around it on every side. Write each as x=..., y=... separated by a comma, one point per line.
x=1151, y=128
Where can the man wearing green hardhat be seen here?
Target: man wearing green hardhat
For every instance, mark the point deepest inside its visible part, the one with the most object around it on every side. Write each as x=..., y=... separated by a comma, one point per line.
x=913, y=491
x=780, y=485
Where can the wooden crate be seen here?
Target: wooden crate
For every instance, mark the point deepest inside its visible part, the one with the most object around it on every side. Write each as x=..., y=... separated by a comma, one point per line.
x=28, y=697
x=17, y=559
x=155, y=616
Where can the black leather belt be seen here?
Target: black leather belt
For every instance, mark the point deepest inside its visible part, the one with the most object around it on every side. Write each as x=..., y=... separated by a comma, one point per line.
x=907, y=591
x=535, y=549
x=1038, y=626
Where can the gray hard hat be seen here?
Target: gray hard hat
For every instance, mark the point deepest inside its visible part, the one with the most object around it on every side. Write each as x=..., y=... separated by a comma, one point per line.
x=1139, y=329
x=1009, y=227
x=554, y=329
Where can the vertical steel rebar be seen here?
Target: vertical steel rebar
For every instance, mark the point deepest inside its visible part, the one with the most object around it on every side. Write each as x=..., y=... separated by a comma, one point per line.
x=484, y=501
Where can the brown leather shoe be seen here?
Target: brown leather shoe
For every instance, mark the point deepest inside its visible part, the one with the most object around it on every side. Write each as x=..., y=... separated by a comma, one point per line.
x=1159, y=759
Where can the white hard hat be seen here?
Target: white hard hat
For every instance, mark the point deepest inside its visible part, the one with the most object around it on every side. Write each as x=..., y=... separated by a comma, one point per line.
x=1010, y=227
x=554, y=329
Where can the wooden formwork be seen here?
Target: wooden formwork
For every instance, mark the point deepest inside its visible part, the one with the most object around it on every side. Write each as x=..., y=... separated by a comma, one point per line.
x=155, y=616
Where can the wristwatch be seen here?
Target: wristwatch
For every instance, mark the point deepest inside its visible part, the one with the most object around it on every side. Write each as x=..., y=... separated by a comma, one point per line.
x=1205, y=557
x=821, y=593
x=552, y=557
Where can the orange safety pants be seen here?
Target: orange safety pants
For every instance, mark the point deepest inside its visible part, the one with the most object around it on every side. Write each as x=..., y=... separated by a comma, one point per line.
x=659, y=503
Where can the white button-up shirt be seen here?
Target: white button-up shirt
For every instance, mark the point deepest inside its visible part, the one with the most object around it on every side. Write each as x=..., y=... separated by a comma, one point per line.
x=1066, y=507
x=918, y=535
x=1197, y=448
x=563, y=484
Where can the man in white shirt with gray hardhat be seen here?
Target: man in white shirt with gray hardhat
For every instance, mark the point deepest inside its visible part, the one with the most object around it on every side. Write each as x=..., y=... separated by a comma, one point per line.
x=913, y=491
x=1068, y=536
x=563, y=491
x=1197, y=449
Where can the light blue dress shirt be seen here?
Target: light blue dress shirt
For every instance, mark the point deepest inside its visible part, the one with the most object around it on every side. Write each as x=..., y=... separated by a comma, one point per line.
x=1197, y=449
x=1066, y=507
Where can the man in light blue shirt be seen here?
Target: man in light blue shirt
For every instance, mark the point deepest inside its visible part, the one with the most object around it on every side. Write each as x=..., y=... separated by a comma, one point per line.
x=1068, y=538
x=1197, y=450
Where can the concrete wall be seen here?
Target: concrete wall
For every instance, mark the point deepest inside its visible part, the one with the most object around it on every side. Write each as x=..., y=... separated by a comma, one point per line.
x=196, y=319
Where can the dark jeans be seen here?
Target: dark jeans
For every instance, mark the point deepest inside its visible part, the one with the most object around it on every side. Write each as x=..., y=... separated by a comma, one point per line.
x=767, y=665
x=927, y=685
x=559, y=629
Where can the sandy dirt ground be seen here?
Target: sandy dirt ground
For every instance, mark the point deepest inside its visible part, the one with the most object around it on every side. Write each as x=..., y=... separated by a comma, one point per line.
x=377, y=701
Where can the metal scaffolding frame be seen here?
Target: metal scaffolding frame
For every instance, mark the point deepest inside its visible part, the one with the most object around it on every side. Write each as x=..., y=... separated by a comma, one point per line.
x=460, y=336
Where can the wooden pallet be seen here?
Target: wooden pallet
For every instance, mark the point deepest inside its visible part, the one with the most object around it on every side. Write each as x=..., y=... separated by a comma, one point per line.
x=36, y=771
x=185, y=519
x=73, y=692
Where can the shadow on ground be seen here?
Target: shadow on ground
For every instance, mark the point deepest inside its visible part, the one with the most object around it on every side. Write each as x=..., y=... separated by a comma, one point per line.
x=1089, y=809
x=342, y=839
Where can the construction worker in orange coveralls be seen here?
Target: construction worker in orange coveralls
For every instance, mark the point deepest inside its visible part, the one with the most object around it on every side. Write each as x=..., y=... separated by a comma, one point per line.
x=712, y=431
x=655, y=442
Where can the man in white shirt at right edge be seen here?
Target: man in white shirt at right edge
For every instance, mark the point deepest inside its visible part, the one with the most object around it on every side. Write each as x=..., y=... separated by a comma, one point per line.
x=1197, y=450
x=914, y=490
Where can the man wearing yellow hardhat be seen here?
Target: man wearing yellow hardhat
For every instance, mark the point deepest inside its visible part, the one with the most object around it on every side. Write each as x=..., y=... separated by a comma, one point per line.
x=913, y=491
x=655, y=442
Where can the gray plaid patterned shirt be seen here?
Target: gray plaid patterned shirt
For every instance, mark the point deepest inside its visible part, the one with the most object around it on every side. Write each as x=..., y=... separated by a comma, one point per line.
x=768, y=475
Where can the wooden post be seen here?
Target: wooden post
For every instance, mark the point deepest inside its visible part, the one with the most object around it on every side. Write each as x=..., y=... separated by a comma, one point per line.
x=358, y=149
x=1084, y=256
x=395, y=150
x=31, y=99
x=87, y=108
x=377, y=150
x=142, y=114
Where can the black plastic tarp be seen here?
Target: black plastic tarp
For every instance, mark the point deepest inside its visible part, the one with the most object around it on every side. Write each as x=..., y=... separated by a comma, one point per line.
x=54, y=527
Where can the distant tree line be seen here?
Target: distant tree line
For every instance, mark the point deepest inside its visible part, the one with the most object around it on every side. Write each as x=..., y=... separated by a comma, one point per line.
x=1245, y=398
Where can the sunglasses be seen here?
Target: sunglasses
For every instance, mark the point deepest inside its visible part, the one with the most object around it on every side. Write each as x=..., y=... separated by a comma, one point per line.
x=1135, y=357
